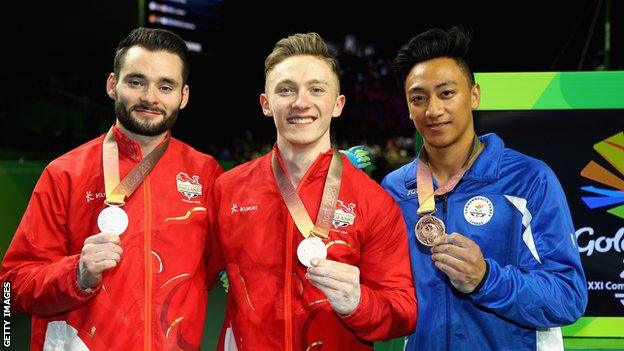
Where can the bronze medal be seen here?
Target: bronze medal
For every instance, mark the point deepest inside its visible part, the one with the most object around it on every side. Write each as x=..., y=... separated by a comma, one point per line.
x=428, y=228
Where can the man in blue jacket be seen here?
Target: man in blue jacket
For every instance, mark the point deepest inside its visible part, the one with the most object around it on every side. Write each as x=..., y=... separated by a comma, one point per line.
x=492, y=244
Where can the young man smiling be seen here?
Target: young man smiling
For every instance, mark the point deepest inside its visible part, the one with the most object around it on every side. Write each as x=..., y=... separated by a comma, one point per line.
x=319, y=256
x=491, y=239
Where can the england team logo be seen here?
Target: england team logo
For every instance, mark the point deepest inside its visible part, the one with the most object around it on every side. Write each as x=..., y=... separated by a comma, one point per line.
x=478, y=210
x=188, y=186
x=343, y=215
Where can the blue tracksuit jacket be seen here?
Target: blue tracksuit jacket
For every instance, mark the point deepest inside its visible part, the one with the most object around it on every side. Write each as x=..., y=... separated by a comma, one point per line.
x=514, y=208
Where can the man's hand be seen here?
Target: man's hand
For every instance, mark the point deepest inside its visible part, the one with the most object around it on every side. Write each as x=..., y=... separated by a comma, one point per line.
x=358, y=155
x=340, y=282
x=99, y=253
x=460, y=259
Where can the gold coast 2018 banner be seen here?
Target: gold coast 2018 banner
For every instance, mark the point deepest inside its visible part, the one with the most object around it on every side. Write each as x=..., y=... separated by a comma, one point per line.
x=573, y=121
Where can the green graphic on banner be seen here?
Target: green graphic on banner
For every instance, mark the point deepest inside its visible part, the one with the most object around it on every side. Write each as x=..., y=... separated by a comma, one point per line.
x=551, y=90
x=596, y=326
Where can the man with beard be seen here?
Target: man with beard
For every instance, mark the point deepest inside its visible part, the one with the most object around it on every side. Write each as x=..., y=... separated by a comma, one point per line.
x=110, y=251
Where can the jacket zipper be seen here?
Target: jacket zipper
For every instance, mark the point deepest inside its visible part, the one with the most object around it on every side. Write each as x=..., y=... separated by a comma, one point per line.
x=447, y=292
x=287, y=286
x=148, y=264
x=290, y=229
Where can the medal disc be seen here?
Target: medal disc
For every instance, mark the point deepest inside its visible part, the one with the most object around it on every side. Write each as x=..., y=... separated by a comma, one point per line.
x=113, y=219
x=428, y=228
x=310, y=248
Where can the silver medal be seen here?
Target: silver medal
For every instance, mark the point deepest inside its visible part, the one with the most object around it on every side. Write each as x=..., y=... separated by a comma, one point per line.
x=312, y=247
x=113, y=219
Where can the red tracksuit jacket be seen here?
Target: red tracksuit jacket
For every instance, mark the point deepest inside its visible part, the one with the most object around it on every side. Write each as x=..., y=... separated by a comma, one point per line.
x=155, y=298
x=271, y=305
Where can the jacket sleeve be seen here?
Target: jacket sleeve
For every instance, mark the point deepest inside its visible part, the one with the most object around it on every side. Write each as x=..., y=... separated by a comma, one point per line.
x=387, y=307
x=547, y=288
x=215, y=263
x=38, y=265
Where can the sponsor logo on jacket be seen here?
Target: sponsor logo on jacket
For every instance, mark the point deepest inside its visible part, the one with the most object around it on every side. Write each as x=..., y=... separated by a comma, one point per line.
x=236, y=208
x=188, y=186
x=90, y=196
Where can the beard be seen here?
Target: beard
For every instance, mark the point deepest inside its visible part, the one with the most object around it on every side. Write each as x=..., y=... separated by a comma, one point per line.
x=143, y=127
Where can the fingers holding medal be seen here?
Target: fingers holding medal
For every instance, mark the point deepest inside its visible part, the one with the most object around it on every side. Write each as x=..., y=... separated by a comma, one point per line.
x=461, y=260
x=100, y=253
x=309, y=248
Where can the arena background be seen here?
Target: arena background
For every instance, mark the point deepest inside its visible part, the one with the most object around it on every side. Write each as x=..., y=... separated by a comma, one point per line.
x=57, y=57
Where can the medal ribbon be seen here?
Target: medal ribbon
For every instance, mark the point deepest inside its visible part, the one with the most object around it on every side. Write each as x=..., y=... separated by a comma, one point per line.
x=424, y=179
x=295, y=206
x=117, y=191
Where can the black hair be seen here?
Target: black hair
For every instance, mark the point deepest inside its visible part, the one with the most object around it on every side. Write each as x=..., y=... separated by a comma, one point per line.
x=153, y=39
x=453, y=43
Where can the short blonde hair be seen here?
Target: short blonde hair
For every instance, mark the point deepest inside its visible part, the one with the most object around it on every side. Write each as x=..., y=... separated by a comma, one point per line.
x=310, y=44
